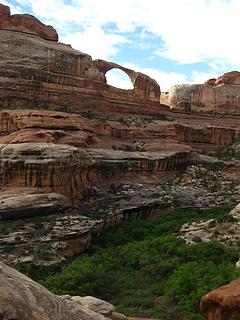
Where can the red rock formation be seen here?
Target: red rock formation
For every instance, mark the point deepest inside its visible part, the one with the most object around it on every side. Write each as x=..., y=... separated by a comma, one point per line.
x=222, y=303
x=79, y=84
x=215, y=95
x=25, y=23
x=65, y=128
x=64, y=152
x=232, y=77
x=68, y=170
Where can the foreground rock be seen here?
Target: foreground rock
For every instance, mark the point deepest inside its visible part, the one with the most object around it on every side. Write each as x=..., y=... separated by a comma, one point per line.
x=21, y=298
x=222, y=303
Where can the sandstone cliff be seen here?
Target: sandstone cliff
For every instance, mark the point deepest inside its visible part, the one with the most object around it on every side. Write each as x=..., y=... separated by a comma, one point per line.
x=222, y=303
x=33, y=64
x=221, y=95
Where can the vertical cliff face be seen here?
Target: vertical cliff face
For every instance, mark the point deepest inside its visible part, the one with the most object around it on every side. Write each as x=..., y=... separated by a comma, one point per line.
x=70, y=171
x=60, y=168
x=212, y=135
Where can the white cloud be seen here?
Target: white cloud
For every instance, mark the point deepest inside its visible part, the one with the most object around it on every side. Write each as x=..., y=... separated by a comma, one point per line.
x=200, y=77
x=119, y=79
x=14, y=9
x=168, y=79
x=192, y=31
x=94, y=41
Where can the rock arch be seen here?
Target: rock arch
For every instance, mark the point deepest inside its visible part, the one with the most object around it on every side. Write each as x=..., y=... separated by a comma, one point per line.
x=145, y=88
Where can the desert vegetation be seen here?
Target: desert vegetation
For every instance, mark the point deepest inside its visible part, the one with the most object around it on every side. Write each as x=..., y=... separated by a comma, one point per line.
x=145, y=269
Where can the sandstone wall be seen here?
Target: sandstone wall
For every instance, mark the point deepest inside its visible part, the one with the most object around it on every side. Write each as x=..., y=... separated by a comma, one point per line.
x=70, y=171
x=35, y=69
x=216, y=95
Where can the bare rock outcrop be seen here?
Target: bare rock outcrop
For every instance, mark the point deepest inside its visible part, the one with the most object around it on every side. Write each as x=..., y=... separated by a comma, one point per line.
x=222, y=303
x=17, y=206
x=68, y=170
x=25, y=23
x=66, y=134
x=34, y=65
x=221, y=95
x=235, y=213
x=22, y=298
x=183, y=133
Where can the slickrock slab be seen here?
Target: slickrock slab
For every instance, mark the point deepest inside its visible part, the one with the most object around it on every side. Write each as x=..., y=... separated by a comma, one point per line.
x=22, y=298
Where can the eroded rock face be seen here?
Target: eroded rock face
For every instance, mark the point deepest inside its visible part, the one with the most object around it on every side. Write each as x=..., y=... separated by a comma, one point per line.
x=69, y=170
x=17, y=206
x=35, y=66
x=67, y=136
x=183, y=133
x=221, y=95
x=21, y=298
x=25, y=23
x=222, y=303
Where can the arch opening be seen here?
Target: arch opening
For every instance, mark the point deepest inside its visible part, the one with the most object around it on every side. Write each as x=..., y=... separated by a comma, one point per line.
x=119, y=79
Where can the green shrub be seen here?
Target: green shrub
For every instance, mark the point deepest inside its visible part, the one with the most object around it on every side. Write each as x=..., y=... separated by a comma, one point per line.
x=145, y=270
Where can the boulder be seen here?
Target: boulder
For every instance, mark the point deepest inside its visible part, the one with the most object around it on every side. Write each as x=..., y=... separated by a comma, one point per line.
x=222, y=303
x=117, y=316
x=95, y=304
x=22, y=298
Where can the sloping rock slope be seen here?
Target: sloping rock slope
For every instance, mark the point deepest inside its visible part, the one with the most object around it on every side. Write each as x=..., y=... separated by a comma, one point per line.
x=21, y=298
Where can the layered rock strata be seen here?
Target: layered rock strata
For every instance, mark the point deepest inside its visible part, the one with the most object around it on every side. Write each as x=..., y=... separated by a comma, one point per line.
x=32, y=70
x=69, y=170
x=90, y=130
x=17, y=206
x=55, y=238
x=221, y=95
x=68, y=140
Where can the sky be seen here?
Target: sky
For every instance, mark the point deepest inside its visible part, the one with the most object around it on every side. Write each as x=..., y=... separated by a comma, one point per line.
x=172, y=41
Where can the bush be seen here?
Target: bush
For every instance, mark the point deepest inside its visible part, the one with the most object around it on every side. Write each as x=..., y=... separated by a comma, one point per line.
x=145, y=270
